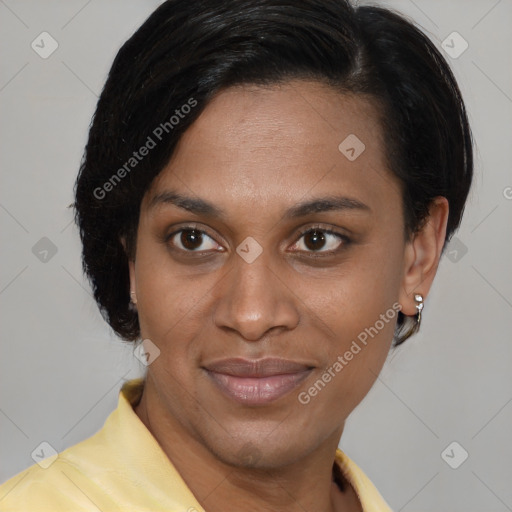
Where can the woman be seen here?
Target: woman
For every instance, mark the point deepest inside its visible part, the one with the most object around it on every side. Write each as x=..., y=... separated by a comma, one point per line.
x=264, y=198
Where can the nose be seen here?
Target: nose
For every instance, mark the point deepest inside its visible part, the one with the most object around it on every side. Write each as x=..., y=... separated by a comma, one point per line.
x=253, y=300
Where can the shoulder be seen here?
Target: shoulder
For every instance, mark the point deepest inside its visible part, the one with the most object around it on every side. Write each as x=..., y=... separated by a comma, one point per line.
x=70, y=480
x=102, y=472
x=60, y=487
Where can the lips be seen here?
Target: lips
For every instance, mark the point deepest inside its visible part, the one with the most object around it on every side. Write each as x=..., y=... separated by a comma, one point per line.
x=257, y=382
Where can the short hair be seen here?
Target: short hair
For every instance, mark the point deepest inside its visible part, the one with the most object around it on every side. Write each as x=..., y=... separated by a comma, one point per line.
x=186, y=52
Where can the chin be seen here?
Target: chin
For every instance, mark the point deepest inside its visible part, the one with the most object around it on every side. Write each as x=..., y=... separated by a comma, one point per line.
x=258, y=453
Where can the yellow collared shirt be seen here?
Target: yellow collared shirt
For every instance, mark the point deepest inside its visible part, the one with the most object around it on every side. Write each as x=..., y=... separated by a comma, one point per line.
x=123, y=468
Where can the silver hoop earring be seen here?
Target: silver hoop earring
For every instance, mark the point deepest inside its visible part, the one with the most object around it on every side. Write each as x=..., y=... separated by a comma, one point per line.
x=418, y=298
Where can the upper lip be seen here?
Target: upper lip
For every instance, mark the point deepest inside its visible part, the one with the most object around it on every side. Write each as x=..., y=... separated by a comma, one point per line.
x=256, y=368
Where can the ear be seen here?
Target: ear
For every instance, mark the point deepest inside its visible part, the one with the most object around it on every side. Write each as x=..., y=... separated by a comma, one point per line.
x=131, y=270
x=422, y=255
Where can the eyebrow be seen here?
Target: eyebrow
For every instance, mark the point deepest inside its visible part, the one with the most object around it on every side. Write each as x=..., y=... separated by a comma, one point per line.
x=202, y=207
x=326, y=204
x=191, y=204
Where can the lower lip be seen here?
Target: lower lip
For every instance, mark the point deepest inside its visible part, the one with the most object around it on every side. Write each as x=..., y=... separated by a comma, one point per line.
x=257, y=390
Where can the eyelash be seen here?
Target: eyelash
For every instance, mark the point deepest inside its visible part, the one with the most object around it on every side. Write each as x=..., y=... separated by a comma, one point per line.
x=345, y=240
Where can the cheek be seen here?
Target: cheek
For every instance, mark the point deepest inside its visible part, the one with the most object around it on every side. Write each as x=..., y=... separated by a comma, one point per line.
x=360, y=309
x=353, y=360
x=170, y=303
x=350, y=300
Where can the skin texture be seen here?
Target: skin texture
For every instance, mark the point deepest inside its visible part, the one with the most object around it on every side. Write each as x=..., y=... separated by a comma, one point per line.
x=255, y=152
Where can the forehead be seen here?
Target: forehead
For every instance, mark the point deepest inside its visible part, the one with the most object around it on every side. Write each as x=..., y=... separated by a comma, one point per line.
x=266, y=144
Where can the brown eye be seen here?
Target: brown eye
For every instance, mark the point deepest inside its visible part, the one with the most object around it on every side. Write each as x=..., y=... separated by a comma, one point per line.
x=314, y=240
x=320, y=241
x=192, y=240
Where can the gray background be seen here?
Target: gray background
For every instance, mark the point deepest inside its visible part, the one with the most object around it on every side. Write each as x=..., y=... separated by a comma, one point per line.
x=61, y=366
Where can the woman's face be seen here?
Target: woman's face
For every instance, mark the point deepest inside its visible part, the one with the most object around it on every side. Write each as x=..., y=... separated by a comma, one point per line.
x=268, y=249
